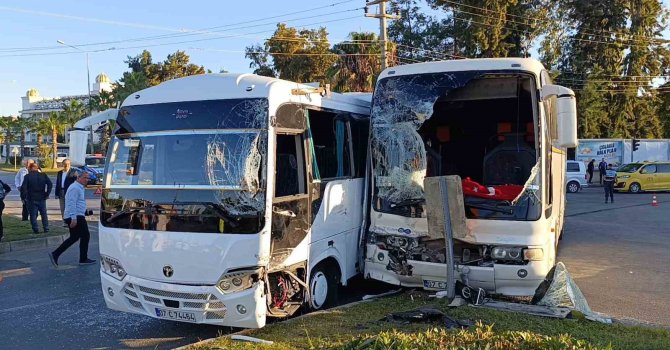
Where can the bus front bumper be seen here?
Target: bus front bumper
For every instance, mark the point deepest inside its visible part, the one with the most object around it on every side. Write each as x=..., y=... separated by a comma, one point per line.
x=185, y=303
x=498, y=279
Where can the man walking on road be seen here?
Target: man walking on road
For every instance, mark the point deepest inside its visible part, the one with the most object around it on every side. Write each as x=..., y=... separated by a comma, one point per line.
x=610, y=177
x=64, y=179
x=36, y=188
x=75, y=217
x=602, y=167
x=590, y=168
x=18, y=181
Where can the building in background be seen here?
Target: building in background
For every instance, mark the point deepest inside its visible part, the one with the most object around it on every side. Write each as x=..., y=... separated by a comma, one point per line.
x=36, y=106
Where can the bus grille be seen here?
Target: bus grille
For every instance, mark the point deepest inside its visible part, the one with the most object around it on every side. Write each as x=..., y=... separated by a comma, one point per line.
x=203, y=302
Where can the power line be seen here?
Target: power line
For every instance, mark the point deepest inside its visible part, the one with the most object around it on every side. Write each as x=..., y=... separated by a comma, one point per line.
x=209, y=30
x=170, y=43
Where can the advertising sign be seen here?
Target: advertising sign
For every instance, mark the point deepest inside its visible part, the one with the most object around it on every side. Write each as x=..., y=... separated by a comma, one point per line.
x=612, y=151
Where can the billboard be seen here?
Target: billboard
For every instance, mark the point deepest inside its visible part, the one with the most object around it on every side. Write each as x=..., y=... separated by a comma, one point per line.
x=612, y=151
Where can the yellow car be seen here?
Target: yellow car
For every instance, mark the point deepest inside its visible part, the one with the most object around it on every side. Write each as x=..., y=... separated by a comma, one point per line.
x=643, y=176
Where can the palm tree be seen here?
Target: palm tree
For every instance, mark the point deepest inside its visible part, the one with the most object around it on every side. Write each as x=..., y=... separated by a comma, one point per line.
x=57, y=122
x=23, y=125
x=359, y=63
x=8, y=125
x=40, y=127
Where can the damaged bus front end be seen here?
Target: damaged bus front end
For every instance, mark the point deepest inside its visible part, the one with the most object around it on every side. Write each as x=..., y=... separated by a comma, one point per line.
x=493, y=122
x=227, y=199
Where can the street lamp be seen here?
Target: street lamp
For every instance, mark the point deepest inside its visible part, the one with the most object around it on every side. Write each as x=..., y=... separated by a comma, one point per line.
x=88, y=83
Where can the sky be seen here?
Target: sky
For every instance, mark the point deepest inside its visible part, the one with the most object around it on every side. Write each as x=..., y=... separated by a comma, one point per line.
x=213, y=33
x=61, y=71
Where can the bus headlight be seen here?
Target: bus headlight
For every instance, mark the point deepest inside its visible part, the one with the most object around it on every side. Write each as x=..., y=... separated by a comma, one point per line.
x=533, y=254
x=112, y=267
x=507, y=253
x=239, y=280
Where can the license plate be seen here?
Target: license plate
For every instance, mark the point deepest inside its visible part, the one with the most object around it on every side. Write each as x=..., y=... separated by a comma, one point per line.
x=175, y=315
x=429, y=284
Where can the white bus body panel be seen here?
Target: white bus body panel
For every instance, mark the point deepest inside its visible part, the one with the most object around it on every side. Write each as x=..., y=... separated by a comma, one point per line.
x=200, y=259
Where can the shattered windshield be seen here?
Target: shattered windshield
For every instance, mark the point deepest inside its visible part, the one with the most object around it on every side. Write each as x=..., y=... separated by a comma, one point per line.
x=193, y=166
x=475, y=124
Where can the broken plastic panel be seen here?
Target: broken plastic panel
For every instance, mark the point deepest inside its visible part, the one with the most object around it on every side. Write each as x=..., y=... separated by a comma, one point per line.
x=560, y=290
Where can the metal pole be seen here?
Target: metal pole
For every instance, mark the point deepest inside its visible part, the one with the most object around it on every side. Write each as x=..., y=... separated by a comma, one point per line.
x=382, y=16
x=88, y=88
x=382, y=32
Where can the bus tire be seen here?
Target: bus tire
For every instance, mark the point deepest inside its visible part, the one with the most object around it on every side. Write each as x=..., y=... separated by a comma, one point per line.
x=635, y=188
x=323, y=286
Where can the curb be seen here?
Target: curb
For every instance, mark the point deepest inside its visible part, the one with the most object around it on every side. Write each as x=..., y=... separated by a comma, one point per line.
x=33, y=243
x=290, y=320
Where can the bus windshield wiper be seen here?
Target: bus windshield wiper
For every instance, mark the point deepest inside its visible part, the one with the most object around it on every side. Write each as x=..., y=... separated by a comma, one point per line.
x=406, y=202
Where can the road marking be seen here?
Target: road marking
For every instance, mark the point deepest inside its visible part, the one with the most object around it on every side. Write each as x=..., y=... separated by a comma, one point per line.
x=607, y=209
x=16, y=272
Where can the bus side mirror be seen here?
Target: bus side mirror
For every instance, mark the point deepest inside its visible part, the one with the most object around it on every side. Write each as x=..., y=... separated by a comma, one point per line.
x=566, y=113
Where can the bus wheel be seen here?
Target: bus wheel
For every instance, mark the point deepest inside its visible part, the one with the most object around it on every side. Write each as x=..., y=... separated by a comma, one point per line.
x=635, y=188
x=323, y=287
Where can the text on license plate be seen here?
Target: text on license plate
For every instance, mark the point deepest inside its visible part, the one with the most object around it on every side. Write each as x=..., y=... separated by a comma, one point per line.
x=434, y=284
x=176, y=315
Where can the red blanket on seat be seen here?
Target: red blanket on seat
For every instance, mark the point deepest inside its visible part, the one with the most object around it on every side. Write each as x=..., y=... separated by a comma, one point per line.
x=497, y=192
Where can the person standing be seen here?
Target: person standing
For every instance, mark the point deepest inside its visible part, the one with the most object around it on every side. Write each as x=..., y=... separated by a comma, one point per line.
x=75, y=217
x=602, y=167
x=610, y=178
x=4, y=189
x=590, y=168
x=37, y=187
x=18, y=181
x=64, y=179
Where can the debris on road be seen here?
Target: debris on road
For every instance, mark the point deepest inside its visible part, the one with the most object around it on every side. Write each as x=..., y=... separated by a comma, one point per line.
x=427, y=314
x=559, y=290
x=375, y=296
x=250, y=339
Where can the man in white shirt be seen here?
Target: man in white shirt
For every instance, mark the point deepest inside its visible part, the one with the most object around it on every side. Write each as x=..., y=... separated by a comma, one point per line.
x=64, y=179
x=75, y=217
x=18, y=181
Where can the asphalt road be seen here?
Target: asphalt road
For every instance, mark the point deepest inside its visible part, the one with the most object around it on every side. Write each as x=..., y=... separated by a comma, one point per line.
x=618, y=254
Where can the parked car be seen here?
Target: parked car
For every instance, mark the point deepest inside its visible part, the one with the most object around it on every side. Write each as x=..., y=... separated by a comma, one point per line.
x=60, y=157
x=576, y=178
x=95, y=167
x=643, y=176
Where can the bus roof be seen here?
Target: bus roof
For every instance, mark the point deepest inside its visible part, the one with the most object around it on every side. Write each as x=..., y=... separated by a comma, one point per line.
x=475, y=64
x=205, y=87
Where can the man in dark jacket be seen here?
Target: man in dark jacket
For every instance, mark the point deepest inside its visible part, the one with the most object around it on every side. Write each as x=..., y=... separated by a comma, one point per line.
x=590, y=168
x=4, y=190
x=64, y=179
x=36, y=188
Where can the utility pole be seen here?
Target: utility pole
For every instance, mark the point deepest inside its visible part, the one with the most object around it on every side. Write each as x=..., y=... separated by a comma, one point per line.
x=382, y=16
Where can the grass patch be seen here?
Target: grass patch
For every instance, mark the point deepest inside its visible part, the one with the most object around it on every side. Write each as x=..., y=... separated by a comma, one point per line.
x=17, y=230
x=359, y=327
x=10, y=168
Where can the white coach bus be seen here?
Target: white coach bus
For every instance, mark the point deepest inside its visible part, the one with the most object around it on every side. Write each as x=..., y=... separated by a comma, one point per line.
x=230, y=198
x=503, y=127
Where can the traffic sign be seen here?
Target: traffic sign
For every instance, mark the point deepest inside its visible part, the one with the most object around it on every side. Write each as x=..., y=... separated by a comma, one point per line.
x=15, y=150
x=98, y=191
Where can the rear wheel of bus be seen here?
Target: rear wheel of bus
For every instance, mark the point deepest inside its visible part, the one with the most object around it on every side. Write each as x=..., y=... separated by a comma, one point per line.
x=323, y=285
